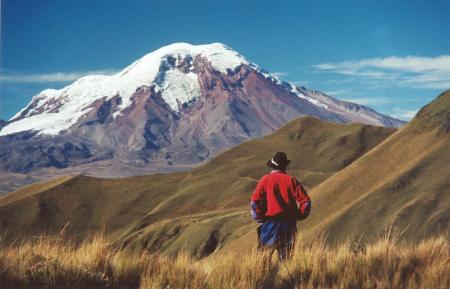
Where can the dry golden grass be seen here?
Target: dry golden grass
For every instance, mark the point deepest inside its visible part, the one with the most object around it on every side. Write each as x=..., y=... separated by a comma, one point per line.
x=385, y=263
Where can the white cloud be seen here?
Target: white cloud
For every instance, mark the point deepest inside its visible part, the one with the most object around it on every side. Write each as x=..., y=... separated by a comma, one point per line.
x=370, y=100
x=300, y=82
x=337, y=92
x=404, y=114
x=50, y=77
x=409, y=71
x=280, y=74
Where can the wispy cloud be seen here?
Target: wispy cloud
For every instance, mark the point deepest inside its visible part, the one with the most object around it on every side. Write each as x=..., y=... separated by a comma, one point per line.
x=300, y=82
x=337, y=92
x=409, y=71
x=51, y=77
x=405, y=114
x=280, y=74
x=370, y=100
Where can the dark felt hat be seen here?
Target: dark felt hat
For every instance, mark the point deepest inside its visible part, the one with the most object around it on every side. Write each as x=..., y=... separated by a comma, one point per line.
x=279, y=161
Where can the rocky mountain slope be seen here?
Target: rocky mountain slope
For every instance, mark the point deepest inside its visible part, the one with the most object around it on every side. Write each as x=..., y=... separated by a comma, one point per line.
x=175, y=107
x=200, y=210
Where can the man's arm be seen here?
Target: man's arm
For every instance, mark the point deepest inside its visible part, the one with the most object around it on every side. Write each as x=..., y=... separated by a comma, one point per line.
x=259, y=202
x=302, y=198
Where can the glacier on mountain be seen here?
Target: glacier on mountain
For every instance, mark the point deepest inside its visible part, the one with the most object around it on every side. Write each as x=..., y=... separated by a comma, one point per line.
x=53, y=111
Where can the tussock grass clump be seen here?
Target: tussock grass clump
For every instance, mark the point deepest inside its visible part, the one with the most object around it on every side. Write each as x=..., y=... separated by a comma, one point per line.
x=384, y=263
x=55, y=264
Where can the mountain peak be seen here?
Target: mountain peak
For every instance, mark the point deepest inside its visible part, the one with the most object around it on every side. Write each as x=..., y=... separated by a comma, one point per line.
x=53, y=111
x=221, y=57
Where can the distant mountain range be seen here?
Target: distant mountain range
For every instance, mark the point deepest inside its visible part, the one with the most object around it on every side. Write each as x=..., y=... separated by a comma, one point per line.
x=173, y=108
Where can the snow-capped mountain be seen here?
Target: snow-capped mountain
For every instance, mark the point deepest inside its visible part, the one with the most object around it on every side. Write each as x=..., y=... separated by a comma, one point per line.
x=175, y=106
x=169, y=70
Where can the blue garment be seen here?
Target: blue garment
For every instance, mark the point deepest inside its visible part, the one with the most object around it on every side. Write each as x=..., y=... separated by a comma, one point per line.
x=279, y=234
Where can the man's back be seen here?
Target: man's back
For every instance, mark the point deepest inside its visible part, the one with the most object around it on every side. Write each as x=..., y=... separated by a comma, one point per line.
x=280, y=195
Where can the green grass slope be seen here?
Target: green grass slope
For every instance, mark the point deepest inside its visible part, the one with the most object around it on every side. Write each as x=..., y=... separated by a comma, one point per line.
x=199, y=211
x=404, y=182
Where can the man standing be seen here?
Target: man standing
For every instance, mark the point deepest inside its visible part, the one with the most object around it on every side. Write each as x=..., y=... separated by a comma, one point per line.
x=278, y=201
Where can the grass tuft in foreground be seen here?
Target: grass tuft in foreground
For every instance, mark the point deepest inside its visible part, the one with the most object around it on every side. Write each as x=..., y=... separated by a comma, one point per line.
x=385, y=263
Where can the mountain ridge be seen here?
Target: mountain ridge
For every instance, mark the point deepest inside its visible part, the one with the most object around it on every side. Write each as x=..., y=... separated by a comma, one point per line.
x=175, y=107
x=140, y=74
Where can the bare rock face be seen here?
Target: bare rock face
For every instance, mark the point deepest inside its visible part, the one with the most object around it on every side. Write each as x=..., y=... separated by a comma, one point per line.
x=177, y=106
x=24, y=152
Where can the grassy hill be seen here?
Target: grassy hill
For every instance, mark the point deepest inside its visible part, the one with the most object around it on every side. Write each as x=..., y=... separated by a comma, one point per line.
x=199, y=211
x=405, y=181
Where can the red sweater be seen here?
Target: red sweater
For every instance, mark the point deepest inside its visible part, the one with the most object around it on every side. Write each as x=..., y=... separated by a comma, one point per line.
x=278, y=194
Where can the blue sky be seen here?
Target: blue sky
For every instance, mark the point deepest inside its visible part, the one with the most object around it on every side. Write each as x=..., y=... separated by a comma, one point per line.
x=391, y=55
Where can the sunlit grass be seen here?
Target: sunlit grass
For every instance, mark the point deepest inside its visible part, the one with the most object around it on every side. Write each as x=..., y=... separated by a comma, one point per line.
x=384, y=263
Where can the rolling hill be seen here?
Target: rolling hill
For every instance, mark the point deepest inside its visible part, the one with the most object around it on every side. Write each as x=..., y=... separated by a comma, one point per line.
x=404, y=181
x=201, y=210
